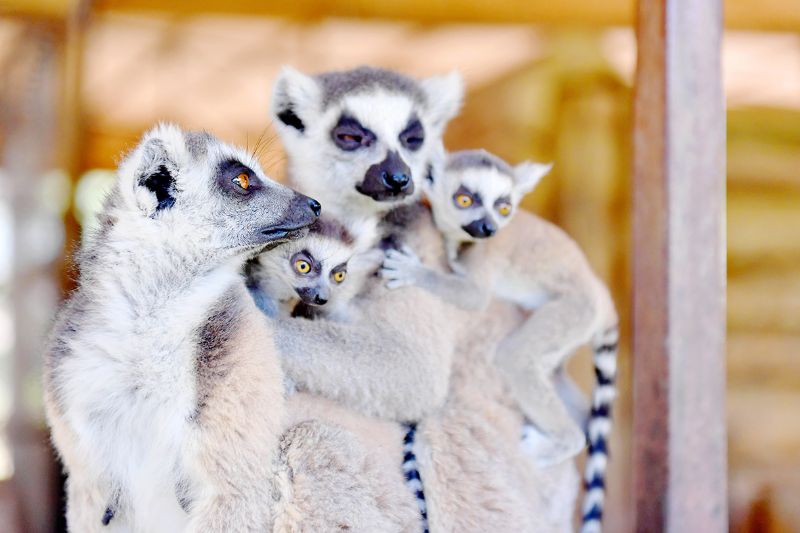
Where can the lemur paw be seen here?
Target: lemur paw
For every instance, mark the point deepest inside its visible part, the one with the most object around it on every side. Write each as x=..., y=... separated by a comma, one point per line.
x=548, y=451
x=400, y=268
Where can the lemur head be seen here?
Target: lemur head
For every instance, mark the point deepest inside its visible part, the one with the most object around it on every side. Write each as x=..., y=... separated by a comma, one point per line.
x=194, y=190
x=315, y=269
x=477, y=193
x=360, y=139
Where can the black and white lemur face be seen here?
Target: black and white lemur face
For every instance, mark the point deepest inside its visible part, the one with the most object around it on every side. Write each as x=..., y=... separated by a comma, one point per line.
x=325, y=268
x=360, y=139
x=477, y=193
x=192, y=184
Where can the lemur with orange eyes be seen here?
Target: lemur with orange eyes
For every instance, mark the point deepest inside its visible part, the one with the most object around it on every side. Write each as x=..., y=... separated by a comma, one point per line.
x=317, y=275
x=363, y=142
x=537, y=266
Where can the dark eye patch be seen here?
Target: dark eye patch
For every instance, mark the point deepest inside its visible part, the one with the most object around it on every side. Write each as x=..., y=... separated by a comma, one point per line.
x=227, y=173
x=306, y=256
x=476, y=198
x=349, y=134
x=413, y=136
x=502, y=200
x=290, y=118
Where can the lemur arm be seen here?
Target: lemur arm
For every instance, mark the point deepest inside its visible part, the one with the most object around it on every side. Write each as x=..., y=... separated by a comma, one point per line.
x=402, y=268
x=392, y=360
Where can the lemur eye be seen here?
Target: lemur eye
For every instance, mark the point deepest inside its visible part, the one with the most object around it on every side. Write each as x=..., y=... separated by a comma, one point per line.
x=413, y=136
x=302, y=266
x=339, y=276
x=504, y=209
x=464, y=200
x=242, y=180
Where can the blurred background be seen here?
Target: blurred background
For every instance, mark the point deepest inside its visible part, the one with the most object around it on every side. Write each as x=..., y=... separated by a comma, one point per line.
x=552, y=81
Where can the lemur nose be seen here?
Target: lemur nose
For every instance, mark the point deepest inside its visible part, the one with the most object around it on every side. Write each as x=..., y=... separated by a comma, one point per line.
x=488, y=229
x=319, y=300
x=315, y=206
x=397, y=181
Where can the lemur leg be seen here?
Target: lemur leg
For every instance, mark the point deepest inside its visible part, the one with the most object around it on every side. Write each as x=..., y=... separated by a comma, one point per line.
x=576, y=401
x=86, y=499
x=528, y=358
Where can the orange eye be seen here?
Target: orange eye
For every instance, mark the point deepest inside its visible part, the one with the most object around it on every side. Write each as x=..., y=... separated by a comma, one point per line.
x=463, y=200
x=504, y=210
x=302, y=266
x=242, y=180
x=338, y=277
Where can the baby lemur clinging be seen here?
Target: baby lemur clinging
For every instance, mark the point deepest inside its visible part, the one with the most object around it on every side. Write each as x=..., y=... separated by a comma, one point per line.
x=319, y=274
x=537, y=266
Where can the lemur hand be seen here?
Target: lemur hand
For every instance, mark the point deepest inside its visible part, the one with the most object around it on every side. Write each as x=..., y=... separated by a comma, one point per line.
x=401, y=268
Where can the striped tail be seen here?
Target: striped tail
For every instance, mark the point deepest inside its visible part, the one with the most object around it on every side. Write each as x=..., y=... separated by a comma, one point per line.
x=411, y=472
x=599, y=429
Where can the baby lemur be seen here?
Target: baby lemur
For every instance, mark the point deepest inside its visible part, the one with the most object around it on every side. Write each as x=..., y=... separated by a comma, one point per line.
x=537, y=266
x=162, y=386
x=317, y=275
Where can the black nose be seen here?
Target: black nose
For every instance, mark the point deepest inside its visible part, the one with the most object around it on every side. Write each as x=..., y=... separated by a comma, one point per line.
x=396, y=181
x=481, y=228
x=488, y=229
x=315, y=206
x=319, y=300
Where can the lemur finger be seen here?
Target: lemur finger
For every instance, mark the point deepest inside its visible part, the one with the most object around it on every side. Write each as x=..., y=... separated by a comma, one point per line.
x=408, y=251
x=396, y=283
x=394, y=264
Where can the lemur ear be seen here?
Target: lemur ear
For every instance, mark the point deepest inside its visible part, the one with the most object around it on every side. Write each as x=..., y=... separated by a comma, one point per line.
x=149, y=173
x=528, y=174
x=445, y=95
x=295, y=100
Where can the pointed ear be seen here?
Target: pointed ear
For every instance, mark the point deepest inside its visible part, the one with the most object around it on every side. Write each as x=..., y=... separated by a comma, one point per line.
x=295, y=100
x=148, y=175
x=528, y=174
x=445, y=95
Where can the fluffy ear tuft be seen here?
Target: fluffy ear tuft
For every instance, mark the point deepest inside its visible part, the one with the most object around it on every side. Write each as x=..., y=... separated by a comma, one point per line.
x=445, y=95
x=150, y=172
x=528, y=174
x=295, y=100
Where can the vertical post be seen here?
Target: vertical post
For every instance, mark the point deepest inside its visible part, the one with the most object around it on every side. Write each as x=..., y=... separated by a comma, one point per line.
x=679, y=269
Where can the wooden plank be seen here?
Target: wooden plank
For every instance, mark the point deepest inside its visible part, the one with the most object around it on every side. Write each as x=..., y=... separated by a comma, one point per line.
x=679, y=310
x=766, y=15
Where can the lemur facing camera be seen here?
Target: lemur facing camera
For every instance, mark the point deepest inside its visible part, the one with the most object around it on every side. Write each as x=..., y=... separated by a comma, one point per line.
x=317, y=275
x=537, y=266
x=162, y=387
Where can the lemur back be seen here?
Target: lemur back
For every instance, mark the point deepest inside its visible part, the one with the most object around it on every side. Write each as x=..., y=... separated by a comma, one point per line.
x=538, y=267
x=160, y=364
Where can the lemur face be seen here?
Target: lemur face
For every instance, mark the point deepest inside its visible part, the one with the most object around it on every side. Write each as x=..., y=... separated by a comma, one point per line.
x=361, y=139
x=193, y=185
x=478, y=193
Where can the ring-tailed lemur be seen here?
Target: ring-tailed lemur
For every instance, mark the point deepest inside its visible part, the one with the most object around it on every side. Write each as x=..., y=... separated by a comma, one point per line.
x=339, y=130
x=163, y=390
x=362, y=139
x=537, y=266
x=317, y=275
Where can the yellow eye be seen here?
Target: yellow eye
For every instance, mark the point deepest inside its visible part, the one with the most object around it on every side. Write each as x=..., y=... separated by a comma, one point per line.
x=242, y=180
x=464, y=200
x=302, y=266
x=504, y=210
x=339, y=276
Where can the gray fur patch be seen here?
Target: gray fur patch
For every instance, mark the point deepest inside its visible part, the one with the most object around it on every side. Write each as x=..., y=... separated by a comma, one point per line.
x=338, y=84
x=478, y=159
x=197, y=143
x=214, y=344
x=328, y=227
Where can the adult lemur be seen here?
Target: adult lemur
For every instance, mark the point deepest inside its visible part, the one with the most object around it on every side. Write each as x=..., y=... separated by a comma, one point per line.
x=538, y=267
x=362, y=141
x=162, y=386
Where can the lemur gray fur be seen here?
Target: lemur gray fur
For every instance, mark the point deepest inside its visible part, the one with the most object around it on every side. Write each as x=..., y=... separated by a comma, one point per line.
x=362, y=141
x=538, y=267
x=162, y=387
x=317, y=275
